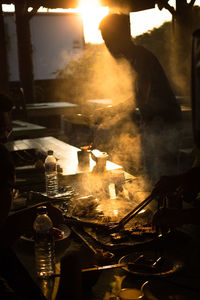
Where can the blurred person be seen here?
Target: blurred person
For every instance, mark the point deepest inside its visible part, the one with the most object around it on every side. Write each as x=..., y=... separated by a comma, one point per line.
x=177, y=216
x=7, y=173
x=15, y=281
x=159, y=110
x=183, y=190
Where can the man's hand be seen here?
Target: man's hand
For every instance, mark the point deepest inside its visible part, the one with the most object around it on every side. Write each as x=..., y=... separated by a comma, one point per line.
x=167, y=185
x=165, y=218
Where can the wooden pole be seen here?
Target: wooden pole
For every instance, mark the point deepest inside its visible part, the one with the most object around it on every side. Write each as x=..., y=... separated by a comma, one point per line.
x=24, y=51
x=4, y=74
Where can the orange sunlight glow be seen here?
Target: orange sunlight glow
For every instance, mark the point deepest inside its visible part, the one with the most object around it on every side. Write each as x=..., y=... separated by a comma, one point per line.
x=92, y=13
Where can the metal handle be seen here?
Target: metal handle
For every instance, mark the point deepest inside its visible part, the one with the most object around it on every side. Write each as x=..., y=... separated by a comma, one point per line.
x=132, y=213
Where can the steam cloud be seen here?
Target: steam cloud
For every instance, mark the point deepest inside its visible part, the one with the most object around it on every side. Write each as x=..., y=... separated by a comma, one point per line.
x=113, y=128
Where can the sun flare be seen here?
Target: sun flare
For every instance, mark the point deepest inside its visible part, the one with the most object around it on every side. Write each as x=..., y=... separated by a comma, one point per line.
x=92, y=13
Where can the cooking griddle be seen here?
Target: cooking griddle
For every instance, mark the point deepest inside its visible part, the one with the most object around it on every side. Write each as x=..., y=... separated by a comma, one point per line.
x=121, y=239
x=86, y=211
x=133, y=229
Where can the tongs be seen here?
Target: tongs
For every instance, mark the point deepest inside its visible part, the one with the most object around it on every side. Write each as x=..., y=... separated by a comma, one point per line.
x=132, y=214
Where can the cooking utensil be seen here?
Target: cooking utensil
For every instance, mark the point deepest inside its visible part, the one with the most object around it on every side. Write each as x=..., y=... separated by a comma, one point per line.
x=100, y=255
x=103, y=268
x=129, y=265
x=131, y=214
x=159, y=267
x=113, y=266
x=84, y=157
x=119, y=265
x=89, y=245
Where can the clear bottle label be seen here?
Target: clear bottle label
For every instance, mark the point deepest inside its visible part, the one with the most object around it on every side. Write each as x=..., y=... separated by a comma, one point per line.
x=50, y=167
x=44, y=246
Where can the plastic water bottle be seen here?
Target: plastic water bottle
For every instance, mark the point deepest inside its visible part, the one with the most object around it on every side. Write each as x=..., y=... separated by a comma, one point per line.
x=44, y=244
x=51, y=177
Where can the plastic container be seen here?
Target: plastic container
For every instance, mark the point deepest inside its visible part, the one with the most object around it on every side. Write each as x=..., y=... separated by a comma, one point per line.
x=44, y=244
x=51, y=177
x=83, y=158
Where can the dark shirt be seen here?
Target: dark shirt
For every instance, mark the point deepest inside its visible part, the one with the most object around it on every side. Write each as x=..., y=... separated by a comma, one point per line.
x=6, y=292
x=191, y=187
x=15, y=281
x=7, y=181
x=160, y=102
x=7, y=168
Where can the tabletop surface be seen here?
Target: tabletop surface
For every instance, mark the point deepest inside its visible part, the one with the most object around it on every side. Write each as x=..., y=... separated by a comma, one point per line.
x=19, y=125
x=66, y=154
x=49, y=105
x=50, y=108
x=183, y=285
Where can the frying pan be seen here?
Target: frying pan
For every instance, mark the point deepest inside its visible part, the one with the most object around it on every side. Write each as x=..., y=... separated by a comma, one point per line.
x=163, y=265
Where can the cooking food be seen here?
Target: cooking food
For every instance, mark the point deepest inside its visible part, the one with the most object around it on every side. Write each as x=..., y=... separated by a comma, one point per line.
x=84, y=207
x=142, y=231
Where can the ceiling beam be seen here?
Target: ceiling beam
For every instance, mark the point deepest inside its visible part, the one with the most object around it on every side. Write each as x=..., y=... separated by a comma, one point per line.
x=129, y=5
x=46, y=3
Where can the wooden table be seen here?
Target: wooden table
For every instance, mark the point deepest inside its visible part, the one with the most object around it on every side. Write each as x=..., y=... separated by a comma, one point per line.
x=46, y=109
x=26, y=129
x=49, y=108
x=67, y=157
x=92, y=111
x=65, y=153
x=96, y=109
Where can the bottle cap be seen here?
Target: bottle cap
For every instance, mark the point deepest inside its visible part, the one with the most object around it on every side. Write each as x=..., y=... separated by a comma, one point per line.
x=50, y=152
x=41, y=209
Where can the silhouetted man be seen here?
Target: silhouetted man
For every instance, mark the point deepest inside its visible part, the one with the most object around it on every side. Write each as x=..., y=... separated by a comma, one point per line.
x=160, y=112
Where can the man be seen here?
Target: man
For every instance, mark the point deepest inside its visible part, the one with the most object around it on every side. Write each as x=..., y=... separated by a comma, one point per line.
x=160, y=112
x=184, y=189
x=7, y=174
x=179, y=189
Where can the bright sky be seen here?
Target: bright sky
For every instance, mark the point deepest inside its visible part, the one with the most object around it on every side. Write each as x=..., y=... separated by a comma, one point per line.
x=143, y=21
x=92, y=13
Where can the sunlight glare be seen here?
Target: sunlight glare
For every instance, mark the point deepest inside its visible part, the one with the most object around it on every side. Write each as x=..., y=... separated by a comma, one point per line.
x=146, y=20
x=92, y=13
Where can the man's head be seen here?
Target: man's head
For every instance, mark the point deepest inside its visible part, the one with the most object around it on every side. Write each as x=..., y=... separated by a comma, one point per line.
x=115, y=30
x=5, y=122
